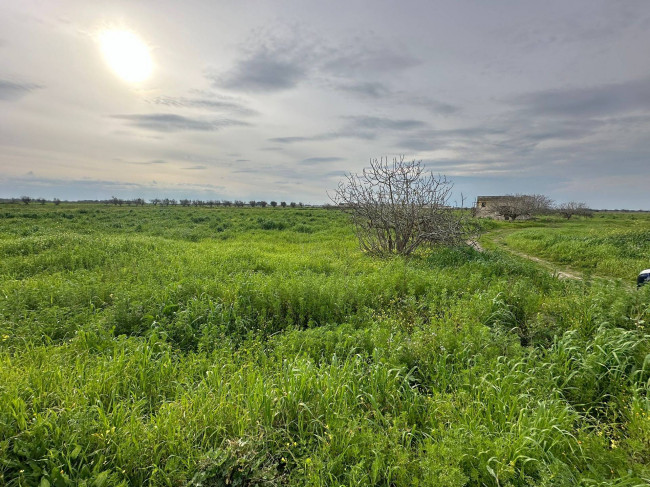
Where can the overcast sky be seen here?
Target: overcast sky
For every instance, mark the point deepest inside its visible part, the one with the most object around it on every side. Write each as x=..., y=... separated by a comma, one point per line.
x=278, y=99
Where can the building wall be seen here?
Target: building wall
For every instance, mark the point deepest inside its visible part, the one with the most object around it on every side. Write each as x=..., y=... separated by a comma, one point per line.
x=486, y=206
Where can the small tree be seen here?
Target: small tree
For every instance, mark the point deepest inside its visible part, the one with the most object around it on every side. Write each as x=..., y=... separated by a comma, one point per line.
x=274, y=204
x=56, y=201
x=252, y=203
x=262, y=203
x=292, y=204
x=26, y=199
x=516, y=205
x=397, y=207
x=567, y=210
x=283, y=204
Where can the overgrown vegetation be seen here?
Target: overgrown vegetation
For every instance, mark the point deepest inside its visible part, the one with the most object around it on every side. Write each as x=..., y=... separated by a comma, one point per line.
x=612, y=244
x=199, y=346
x=398, y=207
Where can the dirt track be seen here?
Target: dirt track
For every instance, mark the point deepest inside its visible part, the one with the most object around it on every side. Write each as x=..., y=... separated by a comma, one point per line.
x=551, y=267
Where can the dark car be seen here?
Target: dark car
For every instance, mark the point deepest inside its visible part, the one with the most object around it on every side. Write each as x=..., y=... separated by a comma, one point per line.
x=644, y=278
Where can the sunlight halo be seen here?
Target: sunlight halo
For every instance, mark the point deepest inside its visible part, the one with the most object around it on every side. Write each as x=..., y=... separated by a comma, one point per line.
x=126, y=54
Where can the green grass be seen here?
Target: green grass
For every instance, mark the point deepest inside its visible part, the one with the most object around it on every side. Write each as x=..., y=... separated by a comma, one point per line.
x=615, y=245
x=183, y=346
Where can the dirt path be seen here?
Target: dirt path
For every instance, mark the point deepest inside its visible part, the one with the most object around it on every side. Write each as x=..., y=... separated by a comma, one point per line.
x=494, y=240
x=550, y=266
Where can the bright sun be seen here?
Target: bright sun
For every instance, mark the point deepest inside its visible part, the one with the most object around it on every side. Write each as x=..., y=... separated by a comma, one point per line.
x=126, y=54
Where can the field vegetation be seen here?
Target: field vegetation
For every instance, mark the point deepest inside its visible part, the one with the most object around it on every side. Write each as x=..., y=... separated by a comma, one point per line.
x=608, y=244
x=259, y=346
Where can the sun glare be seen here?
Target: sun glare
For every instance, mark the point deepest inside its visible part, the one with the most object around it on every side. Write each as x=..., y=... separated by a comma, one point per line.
x=126, y=54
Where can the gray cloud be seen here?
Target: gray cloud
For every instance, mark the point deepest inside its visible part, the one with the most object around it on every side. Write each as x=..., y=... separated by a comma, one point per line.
x=366, y=55
x=195, y=168
x=276, y=61
x=202, y=103
x=385, y=123
x=374, y=90
x=142, y=163
x=319, y=160
x=335, y=174
x=365, y=128
x=434, y=106
x=326, y=136
x=169, y=122
x=366, y=89
x=290, y=140
x=595, y=101
x=12, y=91
x=379, y=91
x=264, y=71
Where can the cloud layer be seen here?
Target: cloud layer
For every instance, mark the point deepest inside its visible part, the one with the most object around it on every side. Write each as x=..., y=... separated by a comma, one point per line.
x=281, y=100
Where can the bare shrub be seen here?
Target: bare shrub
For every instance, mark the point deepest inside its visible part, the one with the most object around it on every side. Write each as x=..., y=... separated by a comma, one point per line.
x=517, y=205
x=573, y=208
x=397, y=207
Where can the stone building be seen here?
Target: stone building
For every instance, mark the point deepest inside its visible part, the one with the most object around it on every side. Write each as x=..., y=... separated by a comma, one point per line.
x=487, y=206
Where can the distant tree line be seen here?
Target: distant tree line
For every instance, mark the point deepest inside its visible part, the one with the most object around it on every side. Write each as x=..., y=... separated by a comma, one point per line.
x=114, y=200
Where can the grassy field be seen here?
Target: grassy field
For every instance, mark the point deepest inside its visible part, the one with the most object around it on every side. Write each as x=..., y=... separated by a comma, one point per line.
x=198, y=346
x=613, y=245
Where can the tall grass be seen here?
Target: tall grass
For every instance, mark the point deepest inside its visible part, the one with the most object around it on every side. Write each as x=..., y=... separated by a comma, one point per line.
x=135, y=353
x=609, y=245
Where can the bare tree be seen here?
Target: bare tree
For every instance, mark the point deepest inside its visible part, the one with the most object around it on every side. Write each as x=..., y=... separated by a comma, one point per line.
x=567, y=210
x=516, y=205
x=397, y=207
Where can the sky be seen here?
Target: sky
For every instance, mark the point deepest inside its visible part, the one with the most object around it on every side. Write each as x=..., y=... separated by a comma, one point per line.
x=278, y=100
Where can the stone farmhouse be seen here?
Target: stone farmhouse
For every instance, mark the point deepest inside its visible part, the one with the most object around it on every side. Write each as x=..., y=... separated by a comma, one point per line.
x=487, y=206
